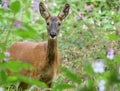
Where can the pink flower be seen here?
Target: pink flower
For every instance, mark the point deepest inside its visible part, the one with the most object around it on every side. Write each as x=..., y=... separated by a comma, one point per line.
x=85, y=5
x=5, y=5
x=7, y=54
x=5, y=60
x=92, y=6
x=35, y=4
x=75, y=19
x=110, y=54
x=89, y=9
x=81, y=16
x=36, y=9
x=18, y=24
x=33, y=21
x=36, y=17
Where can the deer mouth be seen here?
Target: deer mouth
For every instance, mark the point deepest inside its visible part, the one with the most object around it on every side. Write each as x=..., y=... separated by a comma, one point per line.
x=51, y=37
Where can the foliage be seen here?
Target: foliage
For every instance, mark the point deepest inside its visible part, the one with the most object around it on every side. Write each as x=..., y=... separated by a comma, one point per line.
x=88, y=42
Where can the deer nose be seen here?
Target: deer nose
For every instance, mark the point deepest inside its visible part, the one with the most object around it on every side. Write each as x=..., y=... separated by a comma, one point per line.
x=53, y=34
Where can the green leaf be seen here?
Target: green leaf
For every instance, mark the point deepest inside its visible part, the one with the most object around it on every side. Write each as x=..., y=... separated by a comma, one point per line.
x=108, y=26
x=13, y=65
x=31, y=81
x=70, y=75
x=12, y=79
x=15, y=6
x=28, y=14
x=2, y=56
x=117, y=59
x=2, y=46
x=61, y=87
x=88, y=68
x=113, y=78
x=2, y=11
x=28, y=80
x=25, y=33
x=3, y=76
x=113, y=37
x=28, y=32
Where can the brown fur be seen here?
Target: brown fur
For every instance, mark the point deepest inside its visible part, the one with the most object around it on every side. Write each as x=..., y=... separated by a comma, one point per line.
x=42, y=56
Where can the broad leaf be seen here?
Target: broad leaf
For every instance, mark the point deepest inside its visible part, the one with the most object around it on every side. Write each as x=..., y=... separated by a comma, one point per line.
x=15, y=6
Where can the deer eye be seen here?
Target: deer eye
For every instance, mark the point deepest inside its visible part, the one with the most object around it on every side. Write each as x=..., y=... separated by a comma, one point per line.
x=59, y=24
x=48, y=23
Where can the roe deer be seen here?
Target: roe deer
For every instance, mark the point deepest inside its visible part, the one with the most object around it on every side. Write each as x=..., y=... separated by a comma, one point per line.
x=42, y=56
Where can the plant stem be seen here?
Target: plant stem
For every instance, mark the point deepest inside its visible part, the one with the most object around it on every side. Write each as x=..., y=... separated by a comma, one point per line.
x=7, y=37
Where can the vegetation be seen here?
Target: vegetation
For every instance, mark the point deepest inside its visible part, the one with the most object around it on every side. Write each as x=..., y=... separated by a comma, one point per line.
x=88, y=43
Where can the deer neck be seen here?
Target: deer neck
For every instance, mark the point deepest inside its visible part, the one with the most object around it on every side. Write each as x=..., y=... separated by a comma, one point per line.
x=52, y=51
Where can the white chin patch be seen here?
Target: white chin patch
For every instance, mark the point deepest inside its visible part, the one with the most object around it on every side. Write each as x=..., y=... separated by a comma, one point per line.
x=52, y=37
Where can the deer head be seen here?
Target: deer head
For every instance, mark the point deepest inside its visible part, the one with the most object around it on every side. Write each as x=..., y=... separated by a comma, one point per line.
x=53, y=22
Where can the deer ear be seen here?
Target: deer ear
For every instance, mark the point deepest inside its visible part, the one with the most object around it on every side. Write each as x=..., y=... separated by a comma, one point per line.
x=64, y=12
x=44, y=13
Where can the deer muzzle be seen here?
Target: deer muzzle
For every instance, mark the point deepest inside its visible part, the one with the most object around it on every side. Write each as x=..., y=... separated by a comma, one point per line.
x=53, y=35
